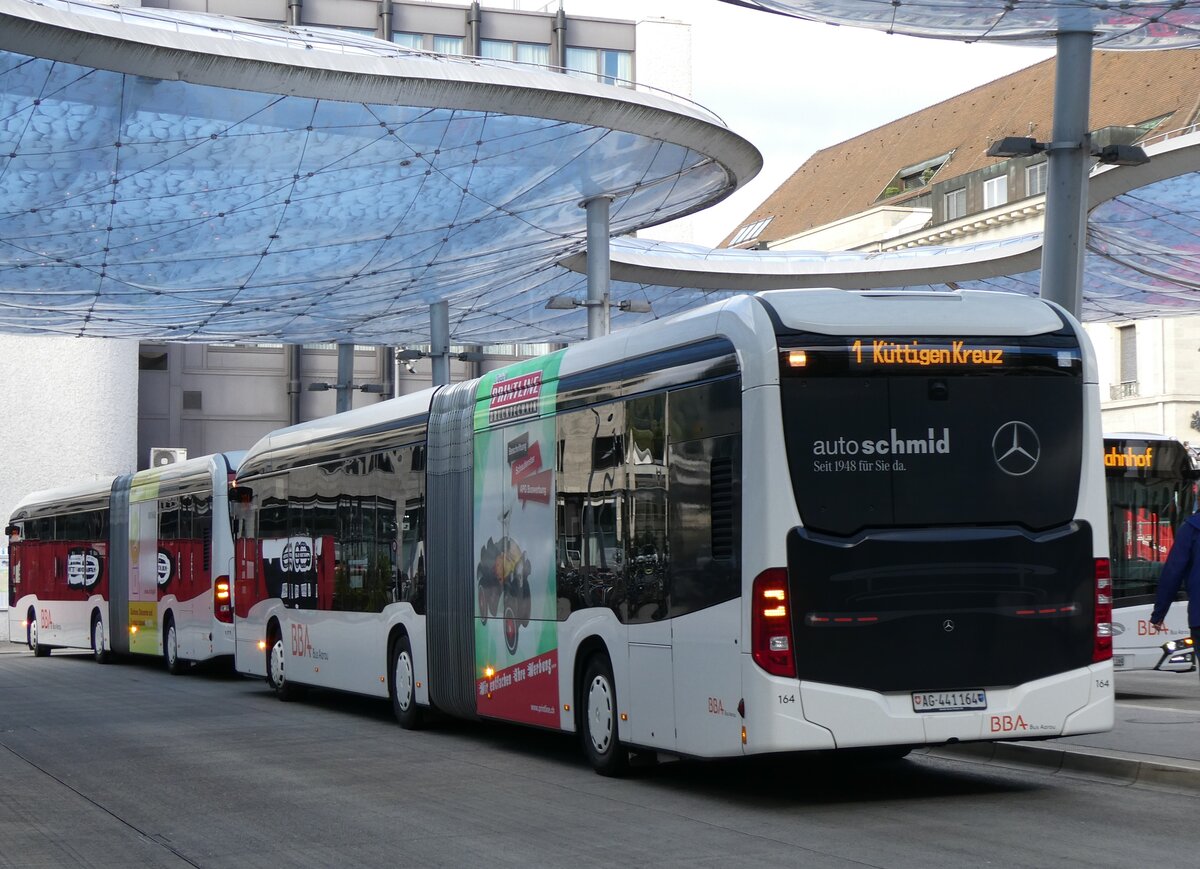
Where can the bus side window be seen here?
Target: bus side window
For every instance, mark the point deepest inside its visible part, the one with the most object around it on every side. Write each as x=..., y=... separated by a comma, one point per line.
x=704, y=520
x=647, y=565
x=589, y=509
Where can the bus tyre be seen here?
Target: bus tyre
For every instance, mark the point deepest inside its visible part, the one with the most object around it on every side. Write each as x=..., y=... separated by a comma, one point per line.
x=404, y=686
x=39, y=651
x=601, y=743
x=284, y=689
x=171, y=648
x=98, y=651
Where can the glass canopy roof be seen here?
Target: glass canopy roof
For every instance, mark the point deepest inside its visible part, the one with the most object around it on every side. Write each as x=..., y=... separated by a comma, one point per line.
x=194, y=178
x=191, y=178
x=1142, y=257
x=1117, y=24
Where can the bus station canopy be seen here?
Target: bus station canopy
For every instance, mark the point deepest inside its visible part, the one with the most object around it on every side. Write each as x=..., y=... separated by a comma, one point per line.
x=187, y=177
x=184, y=177
x=1115, y=24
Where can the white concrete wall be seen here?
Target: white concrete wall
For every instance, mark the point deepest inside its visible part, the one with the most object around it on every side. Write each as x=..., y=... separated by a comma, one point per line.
x=1168, y=376
x=69, y=415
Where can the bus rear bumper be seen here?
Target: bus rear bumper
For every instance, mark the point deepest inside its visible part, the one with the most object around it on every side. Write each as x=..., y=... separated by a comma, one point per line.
x=833, y=716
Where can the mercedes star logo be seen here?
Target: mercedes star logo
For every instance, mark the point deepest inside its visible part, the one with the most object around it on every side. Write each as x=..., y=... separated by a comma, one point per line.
x=1016, y=448
x=948, y=625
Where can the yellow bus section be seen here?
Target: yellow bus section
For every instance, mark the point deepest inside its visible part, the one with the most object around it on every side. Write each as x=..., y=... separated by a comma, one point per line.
x=143, y=627
x=145, y=484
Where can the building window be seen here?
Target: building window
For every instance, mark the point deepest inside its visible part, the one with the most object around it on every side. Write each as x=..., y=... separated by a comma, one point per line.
x=601, y=64
x=409, y=40
x=1127, y=349
x=955, y=204
x=1035, y=179
x=995, y=192
x=750, y=231
x=448, y=44
x=915, y=177
x=152, y=359
x=521, y=52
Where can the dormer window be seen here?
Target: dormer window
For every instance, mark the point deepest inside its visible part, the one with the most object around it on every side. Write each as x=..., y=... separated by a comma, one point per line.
x=914, y=177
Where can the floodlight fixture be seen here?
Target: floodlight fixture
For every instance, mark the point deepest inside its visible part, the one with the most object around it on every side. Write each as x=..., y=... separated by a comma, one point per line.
x=629, y=306
x=1121, y=155
x=1015, y=146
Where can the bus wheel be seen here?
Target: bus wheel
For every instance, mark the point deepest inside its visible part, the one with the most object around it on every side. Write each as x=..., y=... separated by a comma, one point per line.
x=98, y=651
x=171, y=648
x=39, y=650
x=284, y=689
x=404, y=686
x=600, y=741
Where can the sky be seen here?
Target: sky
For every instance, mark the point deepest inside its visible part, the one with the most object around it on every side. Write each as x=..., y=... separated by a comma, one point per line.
x=794, y=87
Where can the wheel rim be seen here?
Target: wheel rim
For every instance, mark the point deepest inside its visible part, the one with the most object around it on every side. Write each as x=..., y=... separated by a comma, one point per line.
x=172, y=646
x=277, y=664
x=600, y=714
x=33, y=634
x=97, y=638
x=404, y=680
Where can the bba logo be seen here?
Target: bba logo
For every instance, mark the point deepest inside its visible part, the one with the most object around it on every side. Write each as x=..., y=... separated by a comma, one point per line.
x=1008, y=724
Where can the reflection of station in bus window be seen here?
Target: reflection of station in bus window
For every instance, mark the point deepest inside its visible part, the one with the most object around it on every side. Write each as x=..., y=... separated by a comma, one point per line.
x=637, y=479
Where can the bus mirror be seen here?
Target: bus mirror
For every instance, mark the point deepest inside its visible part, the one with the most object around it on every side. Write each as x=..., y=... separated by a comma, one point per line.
x=13, y=532
x=240, y=495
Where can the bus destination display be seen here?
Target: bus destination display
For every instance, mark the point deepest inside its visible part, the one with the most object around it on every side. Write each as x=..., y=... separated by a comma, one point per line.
x=920, y=355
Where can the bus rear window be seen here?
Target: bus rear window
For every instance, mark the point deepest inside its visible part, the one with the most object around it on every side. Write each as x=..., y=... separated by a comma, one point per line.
x=912, y=432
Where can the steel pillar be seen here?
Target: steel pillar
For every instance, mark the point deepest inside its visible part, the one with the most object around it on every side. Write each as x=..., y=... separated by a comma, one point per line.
x=439, y=342
x=1069, y=159
x=598, y=265
x=345, y=377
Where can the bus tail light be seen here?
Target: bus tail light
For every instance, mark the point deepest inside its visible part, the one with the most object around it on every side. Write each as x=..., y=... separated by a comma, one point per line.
x=1102, y=648
x=222, y=600
x=771, y=624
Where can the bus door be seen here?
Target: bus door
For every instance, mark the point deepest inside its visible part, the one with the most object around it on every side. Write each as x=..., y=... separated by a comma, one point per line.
x=703, y=575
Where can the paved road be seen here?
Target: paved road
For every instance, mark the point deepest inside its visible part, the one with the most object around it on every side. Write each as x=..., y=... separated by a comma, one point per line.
x=124, y=765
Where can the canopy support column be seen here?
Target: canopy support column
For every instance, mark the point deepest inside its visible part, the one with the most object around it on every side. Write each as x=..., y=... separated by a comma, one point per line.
x=598, y=265
x=439, y=342
x=1069, y=159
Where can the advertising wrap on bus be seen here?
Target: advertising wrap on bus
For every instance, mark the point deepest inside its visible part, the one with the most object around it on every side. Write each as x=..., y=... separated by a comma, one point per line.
x=516, y=614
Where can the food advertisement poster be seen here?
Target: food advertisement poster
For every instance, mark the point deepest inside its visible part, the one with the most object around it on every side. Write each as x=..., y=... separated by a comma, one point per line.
x=516, y=600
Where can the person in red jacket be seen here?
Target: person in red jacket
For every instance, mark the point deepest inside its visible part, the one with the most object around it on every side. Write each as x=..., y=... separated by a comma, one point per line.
x=1182, y=569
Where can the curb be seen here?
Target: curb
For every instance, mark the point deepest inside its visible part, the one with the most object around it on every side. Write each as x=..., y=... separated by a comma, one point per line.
x=1121, y=767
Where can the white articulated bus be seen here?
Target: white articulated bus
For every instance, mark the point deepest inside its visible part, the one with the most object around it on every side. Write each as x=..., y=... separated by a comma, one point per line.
x=799, y=520
x=1151, y=483
x=135, y=565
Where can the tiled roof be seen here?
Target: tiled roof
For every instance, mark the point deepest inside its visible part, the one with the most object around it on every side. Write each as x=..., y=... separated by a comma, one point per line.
x=848, y=178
